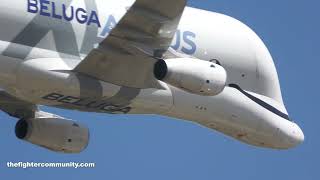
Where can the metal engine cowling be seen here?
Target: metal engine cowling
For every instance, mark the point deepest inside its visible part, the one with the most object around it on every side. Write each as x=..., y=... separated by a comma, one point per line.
x=54, y=133
x=192, y=75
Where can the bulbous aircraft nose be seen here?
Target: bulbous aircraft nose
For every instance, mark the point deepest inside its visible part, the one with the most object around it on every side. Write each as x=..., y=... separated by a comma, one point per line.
x=291, y=136
x=297, y=136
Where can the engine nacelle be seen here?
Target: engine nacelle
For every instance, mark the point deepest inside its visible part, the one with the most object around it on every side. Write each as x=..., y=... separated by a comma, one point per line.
x=56, y=134
x=192, y=75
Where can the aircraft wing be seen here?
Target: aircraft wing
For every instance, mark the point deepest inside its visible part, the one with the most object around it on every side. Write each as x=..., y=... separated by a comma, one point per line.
x=127, y=56
x=16, y=107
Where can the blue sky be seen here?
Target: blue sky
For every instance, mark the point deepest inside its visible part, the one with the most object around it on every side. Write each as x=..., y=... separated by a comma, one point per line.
x=157, y=148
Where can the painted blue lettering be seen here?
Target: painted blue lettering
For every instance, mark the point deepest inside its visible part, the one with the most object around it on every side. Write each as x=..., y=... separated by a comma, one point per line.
x=48, y=8
x=178, y=41
x=54, y=12
x=65, y=15
x=111, y=23
x=94, y=19
x=187, y=35
x=81, y=15
x=32, y=6
x=44, y=8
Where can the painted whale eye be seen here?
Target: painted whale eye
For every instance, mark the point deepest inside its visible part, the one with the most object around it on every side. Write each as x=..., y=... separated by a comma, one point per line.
x=216, y=61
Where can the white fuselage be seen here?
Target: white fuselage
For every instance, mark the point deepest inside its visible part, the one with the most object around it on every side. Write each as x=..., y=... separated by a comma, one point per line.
x=40, y=44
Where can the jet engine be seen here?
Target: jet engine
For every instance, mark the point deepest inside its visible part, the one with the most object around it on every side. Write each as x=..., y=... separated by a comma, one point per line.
x=54, y=133
x=192, y=75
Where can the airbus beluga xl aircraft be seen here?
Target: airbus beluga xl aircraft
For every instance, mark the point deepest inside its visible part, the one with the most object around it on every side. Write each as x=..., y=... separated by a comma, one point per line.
x=136, y=57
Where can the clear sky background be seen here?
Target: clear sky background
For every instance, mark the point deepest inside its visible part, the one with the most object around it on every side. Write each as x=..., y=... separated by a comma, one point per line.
x=158, y=148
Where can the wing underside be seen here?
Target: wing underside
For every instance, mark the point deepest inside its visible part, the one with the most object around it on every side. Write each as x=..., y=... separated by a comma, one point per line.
x=16, y=107
x=127, y=56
